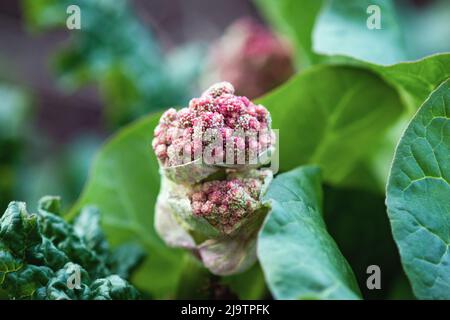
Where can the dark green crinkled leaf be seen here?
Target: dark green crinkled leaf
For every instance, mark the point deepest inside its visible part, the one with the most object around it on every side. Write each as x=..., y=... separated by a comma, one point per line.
x=39, y=253
x=299, y=258
x=418, y=197
x=87, y=226
x=125, y=259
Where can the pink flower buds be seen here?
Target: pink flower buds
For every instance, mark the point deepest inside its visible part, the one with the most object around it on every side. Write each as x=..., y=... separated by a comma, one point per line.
x=225, y=203
x=218, y=128
x=251, y=57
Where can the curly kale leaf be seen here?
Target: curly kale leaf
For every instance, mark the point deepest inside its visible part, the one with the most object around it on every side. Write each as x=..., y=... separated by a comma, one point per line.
x=44, y=257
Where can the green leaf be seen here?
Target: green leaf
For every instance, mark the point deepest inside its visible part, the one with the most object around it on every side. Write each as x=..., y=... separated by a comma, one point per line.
x=14, y=112
x=331, y=116
x=294, y=18
x=341, y=29
x=125, y=259
x=40, y=252
x=418, y=197
x=14, y=116
x=413, y=80
x=249, y=285
x=299, y=258
x=124, y=184
x=406, y=33
x=358, y=222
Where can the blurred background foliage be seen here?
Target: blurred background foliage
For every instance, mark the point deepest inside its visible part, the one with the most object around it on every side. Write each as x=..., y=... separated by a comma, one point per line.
x=62, y=92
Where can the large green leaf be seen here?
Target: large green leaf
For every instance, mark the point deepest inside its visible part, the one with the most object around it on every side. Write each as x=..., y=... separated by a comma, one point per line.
x=405, y=33
x=418, y=197
x=341, y=29
x=331, y=116
x=124, y=183
x=413, y=80
x=295, y=19
x=342, y=34
x=299, y=258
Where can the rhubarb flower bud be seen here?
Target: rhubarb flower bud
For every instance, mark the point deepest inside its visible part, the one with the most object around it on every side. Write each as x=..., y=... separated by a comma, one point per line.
x=218, y=220
x=214, y=208
x=218, y=130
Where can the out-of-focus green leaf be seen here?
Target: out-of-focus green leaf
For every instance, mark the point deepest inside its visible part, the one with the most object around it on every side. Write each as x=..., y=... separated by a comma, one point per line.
x=294, y=18
x=413, y=80
x=418, y=197
x=195, y=277
x=14, y=112
x=357, y=221
x=331, y=116
x=114, y=50
x=427, y=26
x=76, y=160
x=342, y=34
x=249, y=285
x=299, y=258
x=15, y=109
x=124, y=184
x=341, y=29
x=405, y=33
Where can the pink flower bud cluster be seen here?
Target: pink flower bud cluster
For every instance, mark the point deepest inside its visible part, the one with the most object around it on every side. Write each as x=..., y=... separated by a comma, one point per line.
x=251, y=57
x=186, y=133
x=223, y=203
